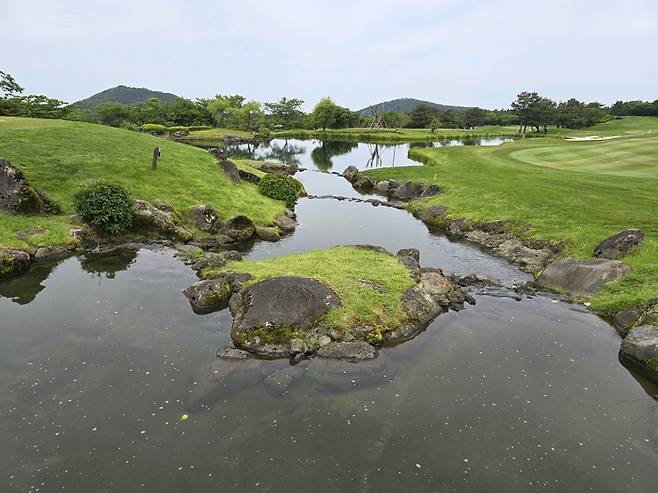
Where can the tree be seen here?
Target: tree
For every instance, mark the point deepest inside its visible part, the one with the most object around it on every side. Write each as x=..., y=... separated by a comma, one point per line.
x=8, y=85
x=545, y=113
x=285, y=112
x=474, y=117
x=525, y=107
x=113, y=114
x=324, y=113
x=223, y=107
x=435, y=124
x=249, y=115
x=421, y=116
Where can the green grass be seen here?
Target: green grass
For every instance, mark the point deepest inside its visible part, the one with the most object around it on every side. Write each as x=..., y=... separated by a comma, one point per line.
x=401, y=135
x=218, y=133
x=343, y=269
x=488, y=183
x=58, y=156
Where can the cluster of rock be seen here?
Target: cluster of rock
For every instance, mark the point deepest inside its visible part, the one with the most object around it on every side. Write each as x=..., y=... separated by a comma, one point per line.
x=390, y=188
x=282, y=317
x=639, y=328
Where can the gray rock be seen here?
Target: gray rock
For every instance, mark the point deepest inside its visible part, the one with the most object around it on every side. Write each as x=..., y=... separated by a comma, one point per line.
x=431, y=190
x=409, y=252
x=16, y=193
x=435, y=215
x=297, y=346
x=640, y=346
x=529, y=259
x=288, y=304
x=186, y=250
x=50, y=252
x=162, y=219
x=351, y=172
x=230, y=171
x=382, y=186
x=232, y=255
x=409, y=262
x=12, y=261
x=646, y=314
x=336, y=335
x=232, y=353
x=408, y=191
x=278, y=382
x=214, y=294
x=209, y=260
x=458, y=227
x=581, y=277
x=324, y=340
x=268, y=234
x=350, y=351
x=239, y=228
x=285, y=223
x=619, y=245
x=248, y=176
x=364, y=182
x=205, y=218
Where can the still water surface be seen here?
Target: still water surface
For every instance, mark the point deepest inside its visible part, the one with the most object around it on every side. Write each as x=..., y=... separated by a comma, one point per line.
x=99, y=353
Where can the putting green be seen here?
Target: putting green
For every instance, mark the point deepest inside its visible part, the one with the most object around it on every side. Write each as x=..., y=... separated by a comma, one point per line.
x=630, y=156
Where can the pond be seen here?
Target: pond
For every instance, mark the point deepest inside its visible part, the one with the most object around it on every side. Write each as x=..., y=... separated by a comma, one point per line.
x=334, y=155
x=99, y=353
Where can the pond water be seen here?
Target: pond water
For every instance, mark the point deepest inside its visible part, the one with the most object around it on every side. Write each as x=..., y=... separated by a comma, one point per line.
x=99, y=353
x=335, y=156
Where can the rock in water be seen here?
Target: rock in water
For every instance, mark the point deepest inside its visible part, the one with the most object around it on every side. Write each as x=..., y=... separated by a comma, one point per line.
x=581, y=277
x=266, y=313
x=285, y=223
x=230, y=171
x=212, y=295
x=641, y=347
x=619, y=245
x=205, y=218
x=268, y=234
x=350, y=173
x=349, y=351
x=239, y=228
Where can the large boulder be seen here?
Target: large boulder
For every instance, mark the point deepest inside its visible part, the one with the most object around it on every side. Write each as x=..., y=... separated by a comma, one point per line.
x=268, y=233
x=619, y=245
x=640, y=347
x=431, y=190
x=645, y=314
x=435, y=215
x=214, y=294
x=162, y=219
x=205, y=218
x=285, y=223
x=271, y=312
x=230, y=171
x=239, y=228
x=16, y=193
x=350, y=173
x=581, y=277
x=408, y=190
x=382, y=186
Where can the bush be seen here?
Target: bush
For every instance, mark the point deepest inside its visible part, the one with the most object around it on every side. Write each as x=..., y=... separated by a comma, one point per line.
x=105, y=205
x=192, y=128
x=178, y=128
x=154, y=128
x=281, y=187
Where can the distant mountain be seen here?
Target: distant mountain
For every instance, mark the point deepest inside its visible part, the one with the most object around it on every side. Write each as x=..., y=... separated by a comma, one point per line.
x=124, y=95
x=405, y=105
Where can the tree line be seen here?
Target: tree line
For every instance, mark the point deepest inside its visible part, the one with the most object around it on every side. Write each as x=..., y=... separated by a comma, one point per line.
x=529, y=111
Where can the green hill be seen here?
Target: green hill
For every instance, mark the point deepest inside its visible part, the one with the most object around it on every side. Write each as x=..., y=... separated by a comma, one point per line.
x=57, y=156
x=123, y=95
x=405, y=105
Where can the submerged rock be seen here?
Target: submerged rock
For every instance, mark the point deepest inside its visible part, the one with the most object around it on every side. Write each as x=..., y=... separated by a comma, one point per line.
x=640, y=347
x=581, y=277
x=350, y=351
x=619, y=245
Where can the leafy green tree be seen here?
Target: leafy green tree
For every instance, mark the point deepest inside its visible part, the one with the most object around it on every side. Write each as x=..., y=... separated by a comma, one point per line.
x=435, y=124
x=474, y=117
x=223, y=107
x=526, y=108
x=113, y=114
x=324, y=113
x=8, y=85
x=250, y=115
x=421, y=116
x=285, y=112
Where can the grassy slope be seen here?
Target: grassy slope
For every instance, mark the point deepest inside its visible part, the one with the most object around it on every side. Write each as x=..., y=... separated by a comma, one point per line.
x=485, y=183
x=343, y=269
x=57, y=156
x=218, y=133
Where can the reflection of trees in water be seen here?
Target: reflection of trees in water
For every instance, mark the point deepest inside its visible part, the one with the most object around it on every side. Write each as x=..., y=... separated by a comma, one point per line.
x=23, y=288
x=108, y=264
x=375, y=151
x=323, y=154
x=286, y=153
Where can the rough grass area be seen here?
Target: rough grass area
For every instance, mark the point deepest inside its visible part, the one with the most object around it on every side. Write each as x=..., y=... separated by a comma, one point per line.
x=347, y=271
x=487, y=183
x=57, y=156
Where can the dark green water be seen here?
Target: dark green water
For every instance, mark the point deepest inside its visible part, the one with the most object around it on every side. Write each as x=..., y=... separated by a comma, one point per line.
x=98, y=355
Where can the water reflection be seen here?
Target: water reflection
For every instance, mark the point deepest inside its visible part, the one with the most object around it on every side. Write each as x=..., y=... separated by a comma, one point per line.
x=25, y=287
x=323, y=154
x=106, y=265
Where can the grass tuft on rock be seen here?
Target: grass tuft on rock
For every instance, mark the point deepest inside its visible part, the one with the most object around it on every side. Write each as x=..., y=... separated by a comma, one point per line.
x=350, y=272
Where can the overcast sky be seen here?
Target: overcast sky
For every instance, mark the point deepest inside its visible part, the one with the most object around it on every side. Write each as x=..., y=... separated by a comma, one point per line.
x=359, y=52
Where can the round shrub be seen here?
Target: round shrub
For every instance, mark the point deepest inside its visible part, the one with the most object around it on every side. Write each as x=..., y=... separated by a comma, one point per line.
x=178, y=128
x=281, y=187
x=106, y=205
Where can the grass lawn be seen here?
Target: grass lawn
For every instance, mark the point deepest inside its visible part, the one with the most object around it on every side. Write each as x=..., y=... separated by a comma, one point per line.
x=58, y=156
x=580, y=208
x=218, y=133
x=344, y=269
